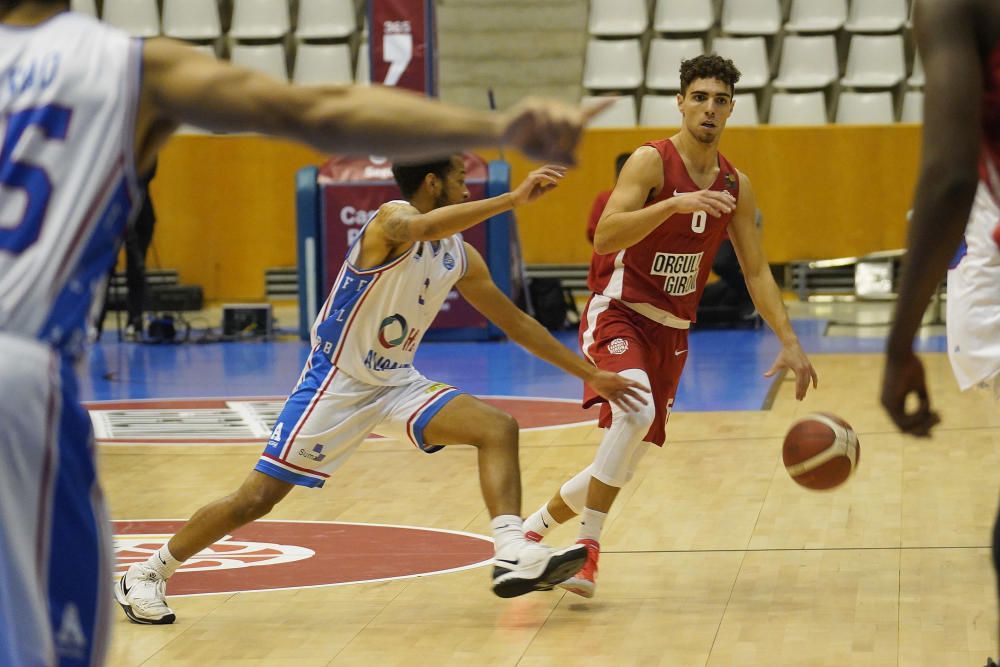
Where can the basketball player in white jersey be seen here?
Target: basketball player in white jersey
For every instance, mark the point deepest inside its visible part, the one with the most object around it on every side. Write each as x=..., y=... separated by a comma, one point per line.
x=83, y=109
x=360, y=378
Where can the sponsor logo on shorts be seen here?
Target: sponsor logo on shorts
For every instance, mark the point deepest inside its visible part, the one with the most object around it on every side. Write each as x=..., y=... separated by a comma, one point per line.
x=448, y=261
x=680, y=271
x=618, y=346
x=316, y=454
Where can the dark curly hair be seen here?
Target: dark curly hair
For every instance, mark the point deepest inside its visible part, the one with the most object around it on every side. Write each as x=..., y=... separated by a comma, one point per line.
x=709, y=66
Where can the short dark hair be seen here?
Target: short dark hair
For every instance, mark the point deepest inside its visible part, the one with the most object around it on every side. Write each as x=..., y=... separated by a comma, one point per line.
x=709, y=66
x=410, y=176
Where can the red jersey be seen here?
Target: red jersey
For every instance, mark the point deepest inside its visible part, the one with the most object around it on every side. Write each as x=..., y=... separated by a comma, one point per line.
x=663, y=275
x=596, y=209
x=989, y=164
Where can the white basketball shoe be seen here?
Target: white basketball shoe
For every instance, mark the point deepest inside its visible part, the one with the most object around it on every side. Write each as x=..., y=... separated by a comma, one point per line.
x=536, y=568
x=142, y=596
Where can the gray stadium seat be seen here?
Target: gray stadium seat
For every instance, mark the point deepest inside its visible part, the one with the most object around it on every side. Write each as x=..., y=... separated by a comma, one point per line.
x=683, y=16
x=875, y=61
x=751, y=17
x=816, y=16
x=259, y=19
x=619, y=114
x=750, y=56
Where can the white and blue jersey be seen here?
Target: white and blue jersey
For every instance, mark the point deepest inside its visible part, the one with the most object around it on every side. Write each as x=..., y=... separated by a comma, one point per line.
x=360, y=377
x=69, y=92
x=374, y=319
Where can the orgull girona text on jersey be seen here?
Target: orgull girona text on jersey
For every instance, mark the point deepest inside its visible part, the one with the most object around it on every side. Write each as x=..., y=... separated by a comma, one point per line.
x=680, y=271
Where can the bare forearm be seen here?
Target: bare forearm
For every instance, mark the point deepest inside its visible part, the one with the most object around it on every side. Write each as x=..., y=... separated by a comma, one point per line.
x=391, y=122
x=941, y=212
x=447, y=220
x=535, y=338
x=767, y=299
x=623, y=230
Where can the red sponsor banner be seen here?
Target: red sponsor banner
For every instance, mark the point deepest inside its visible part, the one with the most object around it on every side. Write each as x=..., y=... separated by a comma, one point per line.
x=352, y=189
x=402, y=44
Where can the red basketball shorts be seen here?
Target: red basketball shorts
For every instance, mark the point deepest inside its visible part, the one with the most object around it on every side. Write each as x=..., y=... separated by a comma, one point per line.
x=616, y=338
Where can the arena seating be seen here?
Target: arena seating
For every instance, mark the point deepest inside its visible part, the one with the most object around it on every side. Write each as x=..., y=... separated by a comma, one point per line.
x=804, y=61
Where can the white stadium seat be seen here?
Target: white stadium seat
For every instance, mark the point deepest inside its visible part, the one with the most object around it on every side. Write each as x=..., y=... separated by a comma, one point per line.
x=750, y=17
x=613, y=65
x=618, y=18
x=619, y=114
x=807, y=62
x=913, y=107
x=876, y=16
x=326, y=19
x=139, y=18
x=816, y=16
x=88, y=7
x=798, y=109
x=664, y=61
x=865, y=108
x=317, y=64
x=683, y=16
x=874, y=61
x=191, y=19
x=659, y=111
x=267, y=58
x=259, y=19
x=744, y=111
x=750, y=56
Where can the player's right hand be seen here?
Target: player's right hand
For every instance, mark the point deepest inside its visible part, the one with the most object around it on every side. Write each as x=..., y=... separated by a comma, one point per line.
x=546, y=130
x=904, y=375
x=537, y=183
x=713, y=202
x=626, y=394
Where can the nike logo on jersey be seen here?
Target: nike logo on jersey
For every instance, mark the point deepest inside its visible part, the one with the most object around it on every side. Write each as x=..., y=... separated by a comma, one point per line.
x=509, y=562
x=678, y=194
x=545, y=524
x=679, y=353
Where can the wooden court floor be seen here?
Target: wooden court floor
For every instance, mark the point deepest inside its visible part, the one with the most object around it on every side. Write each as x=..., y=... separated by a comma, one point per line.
x=712, y=556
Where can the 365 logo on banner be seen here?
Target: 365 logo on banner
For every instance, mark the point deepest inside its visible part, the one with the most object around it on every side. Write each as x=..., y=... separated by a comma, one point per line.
x=397, y=49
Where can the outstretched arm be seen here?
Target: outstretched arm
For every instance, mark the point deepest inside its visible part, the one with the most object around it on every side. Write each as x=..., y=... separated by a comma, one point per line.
x=182, y=85
x=946, y=37
x=764, y=291
x=479, y=290
x=405, y=224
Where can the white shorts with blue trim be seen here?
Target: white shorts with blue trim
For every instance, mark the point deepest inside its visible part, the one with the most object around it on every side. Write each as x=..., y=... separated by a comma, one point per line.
x=330, y=414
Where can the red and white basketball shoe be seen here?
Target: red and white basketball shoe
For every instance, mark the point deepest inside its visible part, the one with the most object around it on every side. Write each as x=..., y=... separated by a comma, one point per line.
x=584, y=582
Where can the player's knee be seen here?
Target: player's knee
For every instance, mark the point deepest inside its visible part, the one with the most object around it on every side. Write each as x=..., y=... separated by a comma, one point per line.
x=252, y=504
x=635, y=421
x=498, y=429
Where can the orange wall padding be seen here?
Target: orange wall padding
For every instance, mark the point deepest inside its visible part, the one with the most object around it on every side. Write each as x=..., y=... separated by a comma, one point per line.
x=226, y=205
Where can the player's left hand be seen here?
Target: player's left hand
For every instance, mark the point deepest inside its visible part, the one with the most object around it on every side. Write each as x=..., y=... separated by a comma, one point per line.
x=626, y=394
x=794, y=359
x=904, y=375
x=537, y=183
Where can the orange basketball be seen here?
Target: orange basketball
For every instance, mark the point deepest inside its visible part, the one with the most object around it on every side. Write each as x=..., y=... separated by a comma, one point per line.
x=821, y=451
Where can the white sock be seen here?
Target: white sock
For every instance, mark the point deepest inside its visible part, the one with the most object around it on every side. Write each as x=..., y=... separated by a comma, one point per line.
x=163, y=562
x=541, y=521
x=508, y=535
x=591, y=523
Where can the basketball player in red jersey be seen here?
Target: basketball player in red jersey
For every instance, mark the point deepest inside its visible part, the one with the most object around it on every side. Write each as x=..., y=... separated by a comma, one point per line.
x=653, y=250
x=958, y=193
